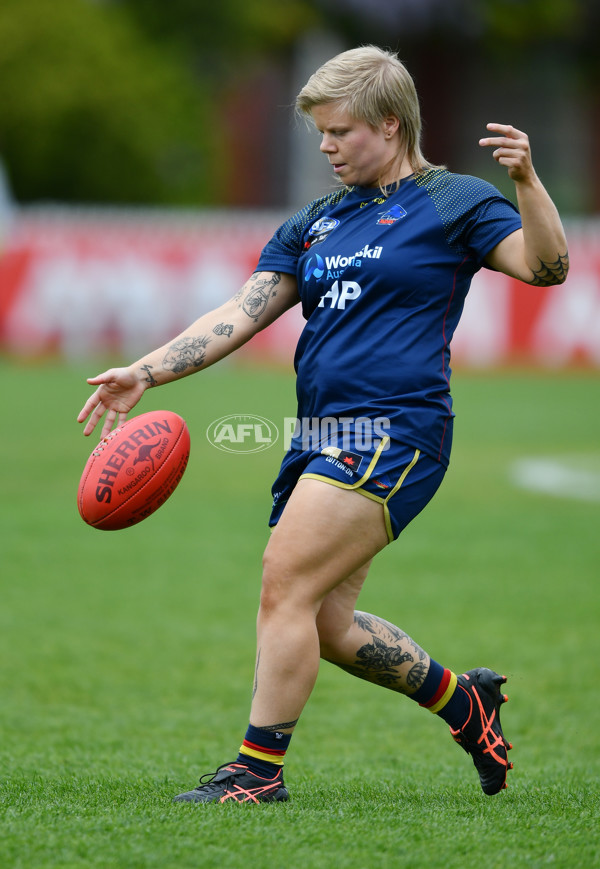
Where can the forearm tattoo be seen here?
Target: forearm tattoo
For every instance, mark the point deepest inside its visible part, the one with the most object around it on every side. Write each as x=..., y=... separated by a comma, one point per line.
x=223, y=329
x=149, y=379
x=550, y=274
x=255, y=302
x=390, y=658
x=186, y=353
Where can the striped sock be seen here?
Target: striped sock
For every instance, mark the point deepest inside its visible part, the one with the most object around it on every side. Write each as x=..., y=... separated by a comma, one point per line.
x=442, y=695
x=263, y=751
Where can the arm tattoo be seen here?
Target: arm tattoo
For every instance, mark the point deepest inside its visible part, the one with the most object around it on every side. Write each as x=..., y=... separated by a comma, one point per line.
x=186, y=353
x=149, y=379
x=223, y=329
x=383, y=659
x=257, y=299
x=550, y=274
x=273, y=728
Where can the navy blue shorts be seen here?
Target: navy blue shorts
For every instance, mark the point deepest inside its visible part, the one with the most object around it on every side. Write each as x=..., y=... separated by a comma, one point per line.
x=401, y=478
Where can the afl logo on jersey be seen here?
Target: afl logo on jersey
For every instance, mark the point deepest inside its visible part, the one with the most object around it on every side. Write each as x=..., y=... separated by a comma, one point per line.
x=395, y=213
x=323, y=225
x=320, y=230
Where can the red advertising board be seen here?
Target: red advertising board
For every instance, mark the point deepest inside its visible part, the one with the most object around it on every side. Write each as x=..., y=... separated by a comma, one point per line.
x=79, y=282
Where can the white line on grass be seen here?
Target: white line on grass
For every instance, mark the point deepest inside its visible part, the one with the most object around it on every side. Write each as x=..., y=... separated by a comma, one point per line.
x=569, y=476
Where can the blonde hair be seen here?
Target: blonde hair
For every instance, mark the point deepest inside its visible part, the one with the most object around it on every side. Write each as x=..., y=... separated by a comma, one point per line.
x=370, y=84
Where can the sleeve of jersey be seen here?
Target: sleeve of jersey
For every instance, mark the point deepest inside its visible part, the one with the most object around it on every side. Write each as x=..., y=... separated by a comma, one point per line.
x=282, y=251
x=486, y=217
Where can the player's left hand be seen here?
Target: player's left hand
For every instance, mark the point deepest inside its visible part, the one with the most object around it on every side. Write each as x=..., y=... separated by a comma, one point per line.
x=512, y=151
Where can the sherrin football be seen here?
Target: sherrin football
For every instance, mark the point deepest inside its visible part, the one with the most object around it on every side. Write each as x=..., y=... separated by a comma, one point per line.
x=133, y=470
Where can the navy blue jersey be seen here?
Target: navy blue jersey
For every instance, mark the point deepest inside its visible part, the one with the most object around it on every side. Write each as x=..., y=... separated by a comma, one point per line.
x=383, y=280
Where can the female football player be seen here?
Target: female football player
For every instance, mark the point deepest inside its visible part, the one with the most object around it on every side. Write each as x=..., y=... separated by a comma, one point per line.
x=381, y=267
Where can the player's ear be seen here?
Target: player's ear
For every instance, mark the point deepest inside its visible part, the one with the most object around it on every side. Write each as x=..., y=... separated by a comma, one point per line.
x=390, y=126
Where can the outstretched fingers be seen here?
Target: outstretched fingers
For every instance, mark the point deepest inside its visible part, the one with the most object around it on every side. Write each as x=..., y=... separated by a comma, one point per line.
x=512, y=150
x=118, y=391
x=94, y=408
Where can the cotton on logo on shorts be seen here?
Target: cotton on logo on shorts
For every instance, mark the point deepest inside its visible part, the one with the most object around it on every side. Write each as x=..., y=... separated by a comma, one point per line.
x=242, y=433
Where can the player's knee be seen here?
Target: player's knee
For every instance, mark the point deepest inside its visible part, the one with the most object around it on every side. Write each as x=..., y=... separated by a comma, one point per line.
x=273, y=593
x=283, y=588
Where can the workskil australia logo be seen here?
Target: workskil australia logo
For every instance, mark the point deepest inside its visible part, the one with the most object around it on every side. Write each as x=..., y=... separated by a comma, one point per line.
x=333, y=266
x=315, y=267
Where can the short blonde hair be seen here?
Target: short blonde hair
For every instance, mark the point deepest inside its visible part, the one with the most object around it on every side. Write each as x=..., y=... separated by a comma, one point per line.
x=370, y=84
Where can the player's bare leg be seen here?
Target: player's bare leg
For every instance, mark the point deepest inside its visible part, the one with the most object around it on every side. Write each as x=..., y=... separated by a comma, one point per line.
x=367, y=645
x=324, y=535
x=314, y=566
x=371, y=648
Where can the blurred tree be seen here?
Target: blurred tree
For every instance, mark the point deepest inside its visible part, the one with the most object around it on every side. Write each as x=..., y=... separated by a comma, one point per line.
x=222, y=37
x=504, y=22
x=245, y=52
x=521, y=22
x=533, y=63
x=94, y=110
x=170, y=101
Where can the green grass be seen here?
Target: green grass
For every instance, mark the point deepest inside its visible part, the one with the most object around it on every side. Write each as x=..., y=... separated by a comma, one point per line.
x=127, y=657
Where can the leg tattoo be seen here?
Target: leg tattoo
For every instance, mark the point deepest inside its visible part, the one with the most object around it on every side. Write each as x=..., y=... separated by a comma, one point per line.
x=389, y=657
x=275, y=728
x=255, y=686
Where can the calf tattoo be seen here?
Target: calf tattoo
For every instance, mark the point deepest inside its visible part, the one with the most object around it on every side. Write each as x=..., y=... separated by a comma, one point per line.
x=186, y=353
x=269, y=728
x=255, y=686
x=390, y=658
x=255, y=302
x=550, y=274
x=273, y=728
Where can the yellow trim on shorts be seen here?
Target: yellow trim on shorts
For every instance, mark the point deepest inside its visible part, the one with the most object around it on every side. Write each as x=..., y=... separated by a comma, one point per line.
x=344, y=486
x=386, y=511
x=365, y=476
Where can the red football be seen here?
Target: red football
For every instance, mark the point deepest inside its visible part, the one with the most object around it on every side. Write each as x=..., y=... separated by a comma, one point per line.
x=133, y=470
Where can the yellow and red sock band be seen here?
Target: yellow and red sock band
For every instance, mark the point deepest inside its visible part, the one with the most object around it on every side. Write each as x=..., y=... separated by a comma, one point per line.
x=443, y=694
x=270, y=755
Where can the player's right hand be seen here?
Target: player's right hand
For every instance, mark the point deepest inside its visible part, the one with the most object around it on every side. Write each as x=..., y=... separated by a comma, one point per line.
x=119, y=389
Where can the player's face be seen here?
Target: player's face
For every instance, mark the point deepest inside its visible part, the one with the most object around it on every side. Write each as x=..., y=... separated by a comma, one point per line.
x=360, y=154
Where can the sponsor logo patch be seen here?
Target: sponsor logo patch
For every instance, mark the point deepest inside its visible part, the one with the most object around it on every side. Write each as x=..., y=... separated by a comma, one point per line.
x=396, y=212
x=315, y=267
x=320, y=230
x=349, y=460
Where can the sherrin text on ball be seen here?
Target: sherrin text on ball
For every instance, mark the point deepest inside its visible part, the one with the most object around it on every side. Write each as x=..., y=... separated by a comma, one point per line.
x=134, y=470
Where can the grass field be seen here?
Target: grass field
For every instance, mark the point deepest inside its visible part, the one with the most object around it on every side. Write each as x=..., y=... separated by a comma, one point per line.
x=127, y=657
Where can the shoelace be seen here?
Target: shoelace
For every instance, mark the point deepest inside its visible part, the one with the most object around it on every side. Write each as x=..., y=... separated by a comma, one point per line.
x=208, y=778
